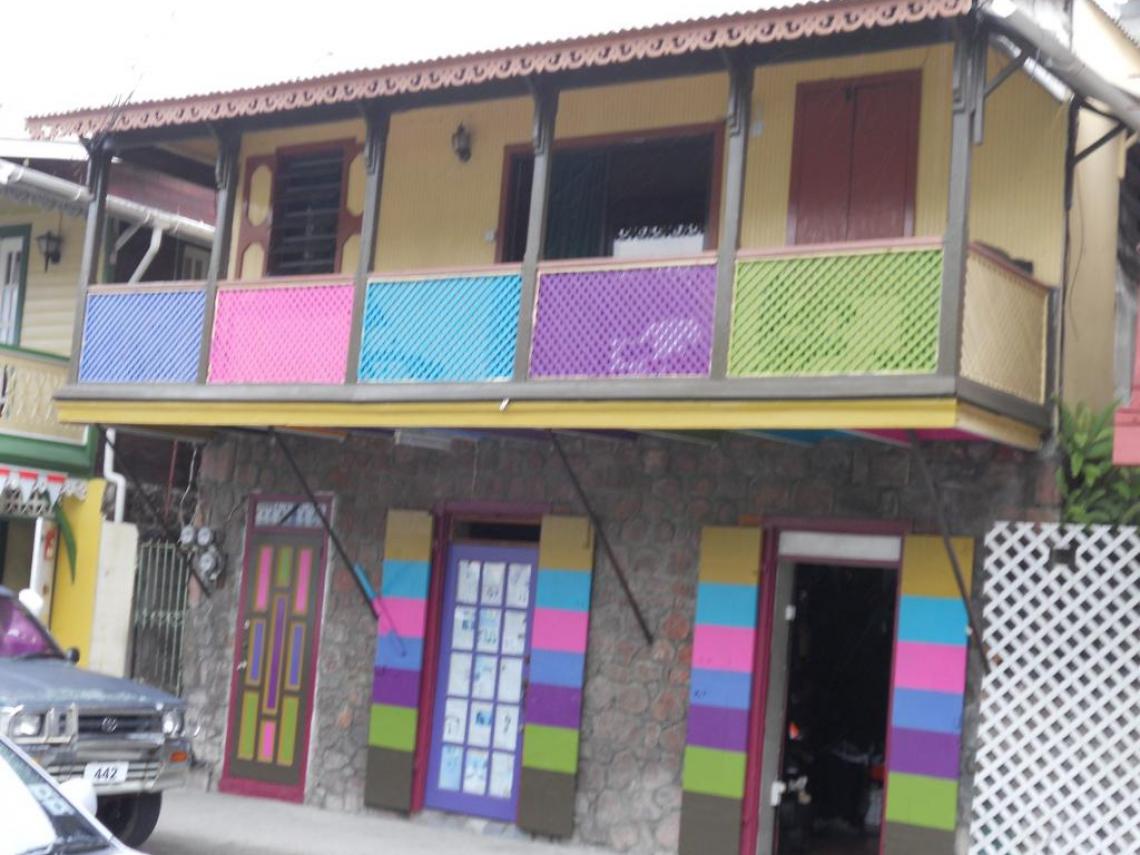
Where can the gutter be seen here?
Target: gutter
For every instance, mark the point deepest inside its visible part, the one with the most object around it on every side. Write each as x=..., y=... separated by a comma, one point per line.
x=76, y=196
x=1052, y=55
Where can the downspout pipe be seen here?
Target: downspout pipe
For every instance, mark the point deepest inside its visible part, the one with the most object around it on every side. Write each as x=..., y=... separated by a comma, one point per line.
x=151, y=252
x=1048, y=51
x=116, y=478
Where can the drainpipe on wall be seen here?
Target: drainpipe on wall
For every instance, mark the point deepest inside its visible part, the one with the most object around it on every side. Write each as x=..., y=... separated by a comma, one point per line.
x=151, y=252
x=119, y=480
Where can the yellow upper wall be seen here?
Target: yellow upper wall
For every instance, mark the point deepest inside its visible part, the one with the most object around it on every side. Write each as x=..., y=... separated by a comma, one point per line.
x=49, y=297
x=439, y=212
x=1017, y=194
x=768, y=177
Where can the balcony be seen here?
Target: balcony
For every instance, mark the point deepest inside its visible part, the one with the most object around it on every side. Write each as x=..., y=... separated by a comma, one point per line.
x=30, y=431
x=612, y=343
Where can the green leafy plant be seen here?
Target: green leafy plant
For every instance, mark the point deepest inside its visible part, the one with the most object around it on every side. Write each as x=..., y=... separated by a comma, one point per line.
x=1092, y=489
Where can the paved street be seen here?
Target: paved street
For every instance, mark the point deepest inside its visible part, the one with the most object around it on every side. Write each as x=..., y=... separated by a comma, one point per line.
x=193, y=822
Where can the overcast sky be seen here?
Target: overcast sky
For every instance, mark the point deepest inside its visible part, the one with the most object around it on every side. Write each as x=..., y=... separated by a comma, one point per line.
x=64, y=54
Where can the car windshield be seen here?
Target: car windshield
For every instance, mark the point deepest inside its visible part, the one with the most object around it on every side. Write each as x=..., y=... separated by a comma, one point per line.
x=38, y=818
x=21, y=636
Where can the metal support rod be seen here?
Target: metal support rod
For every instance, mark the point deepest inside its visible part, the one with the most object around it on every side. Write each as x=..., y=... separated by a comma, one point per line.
x=736, y=129
x=375, y=604
x=376, y=122
x=943, y=529
x=98, y=172
x=1007, y=72
x=225, y=178
x=956, y=237
x=545, y=111
x=597, y=524
x=1101, y=141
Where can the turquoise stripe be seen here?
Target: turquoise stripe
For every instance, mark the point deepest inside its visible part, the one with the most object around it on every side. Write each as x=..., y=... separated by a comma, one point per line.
x=405, y=579
x=563, y=589
x=719, y=604
x=934, y=620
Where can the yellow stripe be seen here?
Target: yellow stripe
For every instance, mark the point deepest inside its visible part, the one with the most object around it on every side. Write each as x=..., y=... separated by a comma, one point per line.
x=633, y=415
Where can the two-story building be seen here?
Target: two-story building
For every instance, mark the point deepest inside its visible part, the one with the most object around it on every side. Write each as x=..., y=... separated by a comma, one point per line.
x=56, y=538
x=602, y=430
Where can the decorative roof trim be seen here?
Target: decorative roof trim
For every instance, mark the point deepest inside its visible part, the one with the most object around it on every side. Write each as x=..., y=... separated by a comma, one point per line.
x=787, y=24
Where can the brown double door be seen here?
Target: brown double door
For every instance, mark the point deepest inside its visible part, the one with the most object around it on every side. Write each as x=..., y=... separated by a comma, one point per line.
x=274, y=665
x=854, y=159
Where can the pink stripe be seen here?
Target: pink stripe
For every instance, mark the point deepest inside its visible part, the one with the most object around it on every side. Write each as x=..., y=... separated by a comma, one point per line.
x=301, y=602
x=933, y=667
x=723, y=648
x=261, y=601
x=556, y=629
x=402, y=614
x=268, y=732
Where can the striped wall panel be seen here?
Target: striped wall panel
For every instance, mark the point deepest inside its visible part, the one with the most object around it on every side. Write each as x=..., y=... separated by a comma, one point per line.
x=720, y=695
x=394, y=713
x=926, y=702
x=553, y=711
x=151, y=336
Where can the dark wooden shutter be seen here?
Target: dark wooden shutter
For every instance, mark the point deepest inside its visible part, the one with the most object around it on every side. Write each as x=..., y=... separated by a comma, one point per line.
x=854, y=159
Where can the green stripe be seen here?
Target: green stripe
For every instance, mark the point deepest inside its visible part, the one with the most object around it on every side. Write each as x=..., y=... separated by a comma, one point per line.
x=284, y=567
x=921, y=800
x=392, y=727
x=247, y=733
x=554, y=749
x=713, y=772
x=287, y=732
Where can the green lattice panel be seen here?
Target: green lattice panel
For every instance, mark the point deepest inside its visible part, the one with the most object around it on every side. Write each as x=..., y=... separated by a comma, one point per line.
x=859, y=313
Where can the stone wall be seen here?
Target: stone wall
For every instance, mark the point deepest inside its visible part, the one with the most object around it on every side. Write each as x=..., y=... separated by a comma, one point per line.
x=653, y=496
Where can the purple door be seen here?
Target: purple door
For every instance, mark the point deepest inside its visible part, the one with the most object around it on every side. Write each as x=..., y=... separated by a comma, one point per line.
x=484, y=660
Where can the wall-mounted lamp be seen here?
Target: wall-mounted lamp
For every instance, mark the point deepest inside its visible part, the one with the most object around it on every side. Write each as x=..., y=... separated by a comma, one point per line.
x=50, y=244
x=461, y=143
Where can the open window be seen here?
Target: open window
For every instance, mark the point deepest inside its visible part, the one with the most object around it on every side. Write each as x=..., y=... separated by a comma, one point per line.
x=642, y=196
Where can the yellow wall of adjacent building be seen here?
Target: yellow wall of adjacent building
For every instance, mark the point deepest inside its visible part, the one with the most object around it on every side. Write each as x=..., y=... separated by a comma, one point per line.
x=768, y=178
x=1017, y=194
x=1090, y=304
x=73, y=601
x=49, y=297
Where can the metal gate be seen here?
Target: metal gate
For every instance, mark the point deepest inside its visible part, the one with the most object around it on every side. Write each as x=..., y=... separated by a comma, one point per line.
x=158, y=615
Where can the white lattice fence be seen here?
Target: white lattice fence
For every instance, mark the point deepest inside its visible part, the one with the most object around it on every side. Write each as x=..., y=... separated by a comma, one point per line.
x=1058, y=761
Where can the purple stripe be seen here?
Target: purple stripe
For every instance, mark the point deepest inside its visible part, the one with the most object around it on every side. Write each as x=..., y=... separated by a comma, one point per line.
x=396, y=686
x=258, y=644
x=718, y=727
x=554, y=705
x=278, y=644
x=924, y=752
x=295, y=656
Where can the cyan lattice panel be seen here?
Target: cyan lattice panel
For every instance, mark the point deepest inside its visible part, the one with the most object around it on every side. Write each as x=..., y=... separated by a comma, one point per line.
x=455, y=329
x=842, y=313
x=144, y=337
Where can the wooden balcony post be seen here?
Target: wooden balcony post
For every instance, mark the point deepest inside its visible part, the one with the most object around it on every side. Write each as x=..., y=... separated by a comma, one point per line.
x=969, y=83
x=225, y=181
x=736, y=132
x=376, y=121
x=545, y=112
x=98, y=173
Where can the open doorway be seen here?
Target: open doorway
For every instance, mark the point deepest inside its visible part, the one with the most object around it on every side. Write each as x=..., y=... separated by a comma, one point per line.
x=836, y=688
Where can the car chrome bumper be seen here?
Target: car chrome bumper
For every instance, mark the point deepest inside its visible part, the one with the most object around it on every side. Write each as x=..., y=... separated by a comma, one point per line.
x=150, y=769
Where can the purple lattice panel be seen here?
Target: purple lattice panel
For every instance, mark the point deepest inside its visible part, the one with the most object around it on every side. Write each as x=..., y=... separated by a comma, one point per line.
x=284, y=334
x=624, y=322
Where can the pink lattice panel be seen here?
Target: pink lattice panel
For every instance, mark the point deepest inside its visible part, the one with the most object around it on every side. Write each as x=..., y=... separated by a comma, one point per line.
x=624, y=322
x=296, y=334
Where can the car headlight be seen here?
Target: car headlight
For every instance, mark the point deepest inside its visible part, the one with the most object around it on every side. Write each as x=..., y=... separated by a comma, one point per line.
x=172, y=723
x=26, y=725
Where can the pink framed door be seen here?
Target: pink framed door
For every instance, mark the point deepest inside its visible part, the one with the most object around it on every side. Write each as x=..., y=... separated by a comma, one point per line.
x=275, y=654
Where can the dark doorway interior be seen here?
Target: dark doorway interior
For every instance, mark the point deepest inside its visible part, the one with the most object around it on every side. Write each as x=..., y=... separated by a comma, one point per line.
x=839, y=669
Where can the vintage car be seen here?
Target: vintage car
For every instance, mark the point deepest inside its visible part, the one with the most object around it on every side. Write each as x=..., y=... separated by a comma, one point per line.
x=127, y=739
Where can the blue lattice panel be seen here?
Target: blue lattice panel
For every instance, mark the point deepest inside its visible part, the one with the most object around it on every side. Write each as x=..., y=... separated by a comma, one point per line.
x=142, y=337
x=454, y=329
